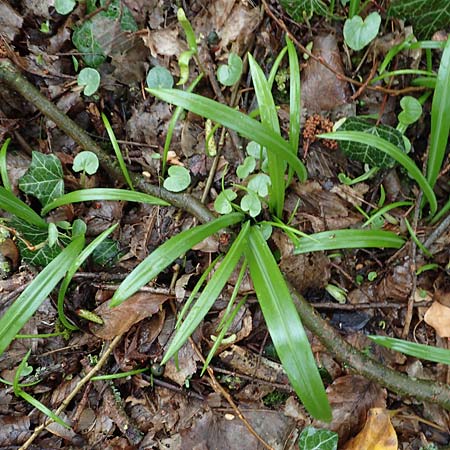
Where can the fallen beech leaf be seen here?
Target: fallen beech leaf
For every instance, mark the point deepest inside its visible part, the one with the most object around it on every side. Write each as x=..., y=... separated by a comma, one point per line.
x=438, y=317
x=377, y=434
x=120, y=319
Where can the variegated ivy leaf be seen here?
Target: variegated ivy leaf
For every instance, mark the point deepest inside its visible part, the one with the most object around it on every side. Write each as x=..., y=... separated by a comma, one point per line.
x=364, y=152
x=44, y=178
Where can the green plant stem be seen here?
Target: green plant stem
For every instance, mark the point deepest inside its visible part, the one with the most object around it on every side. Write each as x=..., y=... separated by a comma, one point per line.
x=10, y=75
x=427, y=391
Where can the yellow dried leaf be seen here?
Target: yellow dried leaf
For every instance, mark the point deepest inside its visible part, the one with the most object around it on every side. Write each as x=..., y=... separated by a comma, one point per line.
x=377, y=434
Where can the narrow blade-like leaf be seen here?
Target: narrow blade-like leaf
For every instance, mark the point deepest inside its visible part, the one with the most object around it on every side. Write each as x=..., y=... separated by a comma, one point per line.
x=235, y=120
x=10, y=203
x=339, y=239
x=98, y=194
x=32, y=297
x=285, y=327
x=393, y=152
x=209, y=294
x=166, y=253
x=440, y=118
x=269, y=119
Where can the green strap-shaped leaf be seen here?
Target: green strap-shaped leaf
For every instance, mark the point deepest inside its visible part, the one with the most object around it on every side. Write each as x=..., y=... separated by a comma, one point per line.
x=235, y=120
x=10, y=203
x=393, y=152
x=285, y=327
x=209, y=294
x=440, y=118
x=97, y=194
x=32, y=297
x=166, y=253
x=339, y=239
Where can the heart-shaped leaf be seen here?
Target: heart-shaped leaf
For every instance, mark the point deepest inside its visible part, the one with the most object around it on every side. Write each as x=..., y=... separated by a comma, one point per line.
x=359, y=33
x=159, y=78
x=411, y=110
x=260, y=184
x=222, y=204
x=251, y=203
x=229, y=74
x=64, y=6
x=85, y=161
x=178, y=180
x=90, y=79
x=246, y=168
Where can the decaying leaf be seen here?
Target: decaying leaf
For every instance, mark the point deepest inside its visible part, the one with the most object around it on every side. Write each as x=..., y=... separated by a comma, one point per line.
x=438, y=317
x=120, y=319
x=377, y=434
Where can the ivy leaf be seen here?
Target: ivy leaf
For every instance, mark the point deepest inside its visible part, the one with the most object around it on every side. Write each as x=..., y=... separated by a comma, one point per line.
x=246, y=168
x=44, y=178
x=426, y=16
x=366, y=153
x=260, y=184
x=178, y=180
x=251, y=203
x=298, y=9
x=222, y=204
x=314, y=439
x=359, y=33
x=107, y=253
x=229, y=74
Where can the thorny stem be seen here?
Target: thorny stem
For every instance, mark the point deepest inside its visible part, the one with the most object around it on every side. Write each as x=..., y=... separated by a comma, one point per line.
x=428, y=391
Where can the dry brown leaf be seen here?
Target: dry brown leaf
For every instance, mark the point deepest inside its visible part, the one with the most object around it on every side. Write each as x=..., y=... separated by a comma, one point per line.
x=120, y=319
x=438, y=317
x=377, y=434
x=350, y=398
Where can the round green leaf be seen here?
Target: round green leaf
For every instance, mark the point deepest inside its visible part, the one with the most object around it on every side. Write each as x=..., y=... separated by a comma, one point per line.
x=90, y=79
x=260, y=184
x=412, y=110
x=222, y=204
x=85, y=161
x=229, y=74
x=64, y=6
x=251, y=203
x=159, y=78
x=359, y=33
x=246, y=168
x=178, y=179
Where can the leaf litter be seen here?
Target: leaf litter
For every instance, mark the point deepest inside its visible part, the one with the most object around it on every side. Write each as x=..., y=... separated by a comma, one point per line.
x=180, y=410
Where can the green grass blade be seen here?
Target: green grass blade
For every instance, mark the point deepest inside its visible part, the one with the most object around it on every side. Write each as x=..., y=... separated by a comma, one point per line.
x=31, y=298
x=209, y=294
x=10, y=203
x=294, y=96
x=117, y=151
x=269, y=119
x=81, y=258
x=285, y=327
x=440, y=118
x=235, y=120
x=384, y=210
x=339, y=239
x=3, y=165
x=97, y=194
x=395, y=153
x=427, y=352
x=166, y=253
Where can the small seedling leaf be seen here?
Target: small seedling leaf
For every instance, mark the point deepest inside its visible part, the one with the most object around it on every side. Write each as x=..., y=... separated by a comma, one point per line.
x=411, y=110
x=90, y=79
x=178, y=180
x=222, y=204
x=246, y=168
x=44, y=178
x=314, y=439
x=85, y=162
x=251, y=203
x=64, y=7
x=52, y=234
x=159, y=77
x=229, y=74
x=260, y=184
x=359, y=33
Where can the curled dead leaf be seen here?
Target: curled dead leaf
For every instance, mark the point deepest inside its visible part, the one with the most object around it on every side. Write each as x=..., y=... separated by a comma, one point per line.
x=377, y=434
x=120, y=319
x=438, y=317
